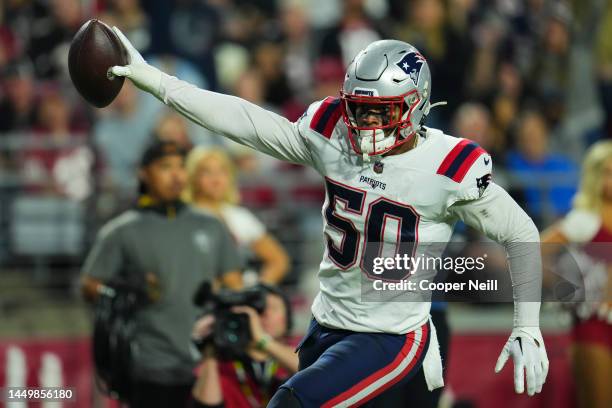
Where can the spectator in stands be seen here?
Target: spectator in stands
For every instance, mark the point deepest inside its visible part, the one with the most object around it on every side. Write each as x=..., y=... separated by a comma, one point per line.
x=131, y=20
x=604, y=65
x=549, y=75
x=245, y=22
x=231, y=61
x=248, y=380
x=166, y=250
x=352, y=33
x=297, y=37
x=329, y=75
x=547, y=178
x=121, y=133
x=17, y=107
x=250, y=86
x=172, y=128
x=473, y=121
x=58, y=161
x=505, y=103
x=212, y=187
x=483, y=66
x=50, y=37
x=181, y=68
x=268, y=59
x=8, y=44
x=186, y=29
x=426, y=26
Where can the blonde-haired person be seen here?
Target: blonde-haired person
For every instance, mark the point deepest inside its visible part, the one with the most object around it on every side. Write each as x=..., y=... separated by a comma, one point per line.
x=212, y=187
x=590, y=221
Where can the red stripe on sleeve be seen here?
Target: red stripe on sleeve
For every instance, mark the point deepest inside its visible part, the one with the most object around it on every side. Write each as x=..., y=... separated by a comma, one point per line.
x=467, y=163
x=331, y=123
x=319, y=113
x=451, y=156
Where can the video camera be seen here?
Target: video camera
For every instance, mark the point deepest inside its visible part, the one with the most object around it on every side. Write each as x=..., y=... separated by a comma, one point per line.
x=231, y=332
x=113, y=337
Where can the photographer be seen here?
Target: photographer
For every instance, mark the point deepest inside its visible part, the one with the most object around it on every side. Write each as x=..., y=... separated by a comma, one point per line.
x=164, y=250
x=251, y=377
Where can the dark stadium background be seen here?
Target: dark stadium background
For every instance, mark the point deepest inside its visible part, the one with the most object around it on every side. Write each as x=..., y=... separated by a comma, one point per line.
x=529, y=80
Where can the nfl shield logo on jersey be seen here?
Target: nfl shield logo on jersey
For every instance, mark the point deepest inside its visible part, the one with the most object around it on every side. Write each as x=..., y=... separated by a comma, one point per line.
x=411, y=64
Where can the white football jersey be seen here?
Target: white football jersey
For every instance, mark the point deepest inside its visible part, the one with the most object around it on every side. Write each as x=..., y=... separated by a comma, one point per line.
x=379, y=205
x=403, y=200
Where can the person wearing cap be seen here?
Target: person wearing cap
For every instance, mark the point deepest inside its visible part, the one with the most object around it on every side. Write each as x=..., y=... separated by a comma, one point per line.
x=165, y=250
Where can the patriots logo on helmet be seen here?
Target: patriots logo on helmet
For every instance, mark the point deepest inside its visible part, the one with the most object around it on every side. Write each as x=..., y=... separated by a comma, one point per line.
x=411, y=64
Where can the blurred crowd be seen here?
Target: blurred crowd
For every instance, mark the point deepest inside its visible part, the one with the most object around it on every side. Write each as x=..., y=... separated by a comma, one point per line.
x=529, y=80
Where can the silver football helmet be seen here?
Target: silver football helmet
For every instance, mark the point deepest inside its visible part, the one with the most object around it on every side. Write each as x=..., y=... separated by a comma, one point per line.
x=385, y=96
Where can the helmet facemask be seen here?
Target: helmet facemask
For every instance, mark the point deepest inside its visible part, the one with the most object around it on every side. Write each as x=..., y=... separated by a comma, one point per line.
x=379, y=124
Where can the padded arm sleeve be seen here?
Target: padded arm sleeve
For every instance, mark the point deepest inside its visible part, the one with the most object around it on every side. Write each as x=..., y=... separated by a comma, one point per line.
x=500, y=218
x=237, y=119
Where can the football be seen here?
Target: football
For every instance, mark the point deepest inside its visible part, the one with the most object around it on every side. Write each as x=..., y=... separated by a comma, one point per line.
x=94, y=49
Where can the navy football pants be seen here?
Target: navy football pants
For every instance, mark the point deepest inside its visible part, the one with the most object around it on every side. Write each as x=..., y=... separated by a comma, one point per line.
x=344, y=368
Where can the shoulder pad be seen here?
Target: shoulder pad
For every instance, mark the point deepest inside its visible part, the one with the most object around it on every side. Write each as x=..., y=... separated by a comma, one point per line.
x=460, y=159
x=326, y=116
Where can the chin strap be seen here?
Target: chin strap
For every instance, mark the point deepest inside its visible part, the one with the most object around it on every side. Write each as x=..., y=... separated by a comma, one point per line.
x=432, y=105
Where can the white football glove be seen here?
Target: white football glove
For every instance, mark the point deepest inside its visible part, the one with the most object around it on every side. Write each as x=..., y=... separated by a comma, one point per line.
x=526, y=347
x=143, y=75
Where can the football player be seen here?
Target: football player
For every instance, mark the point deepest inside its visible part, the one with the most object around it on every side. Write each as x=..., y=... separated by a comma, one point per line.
x=380, y=163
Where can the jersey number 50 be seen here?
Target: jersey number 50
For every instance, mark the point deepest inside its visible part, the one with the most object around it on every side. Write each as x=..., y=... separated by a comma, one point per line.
x=352, y=200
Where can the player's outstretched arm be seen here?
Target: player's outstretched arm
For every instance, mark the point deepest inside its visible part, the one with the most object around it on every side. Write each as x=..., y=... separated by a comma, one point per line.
x=235, y=118
x=499, y=217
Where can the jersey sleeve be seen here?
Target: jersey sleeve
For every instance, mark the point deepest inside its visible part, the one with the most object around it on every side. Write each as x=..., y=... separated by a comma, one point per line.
x=500, y=218
x=105, y=259
x=580, y=226
x=468, y=168
x=237, y=119
x=477, y=177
